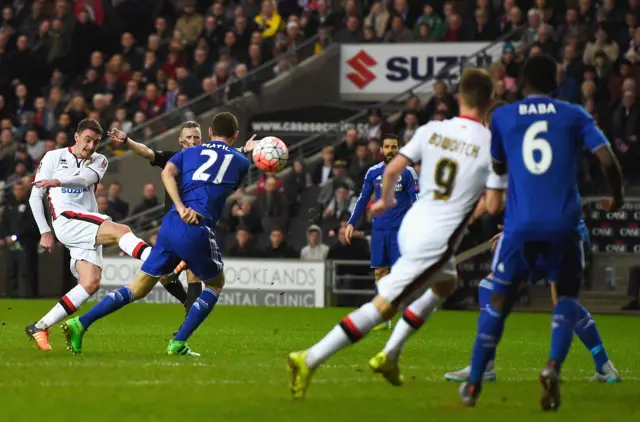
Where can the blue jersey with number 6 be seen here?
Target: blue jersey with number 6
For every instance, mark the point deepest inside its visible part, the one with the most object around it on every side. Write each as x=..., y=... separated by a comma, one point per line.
x=541, y=140
x=210, y=173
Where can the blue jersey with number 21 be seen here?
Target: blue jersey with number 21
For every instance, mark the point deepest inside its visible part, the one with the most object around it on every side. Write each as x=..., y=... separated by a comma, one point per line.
x=210, y=173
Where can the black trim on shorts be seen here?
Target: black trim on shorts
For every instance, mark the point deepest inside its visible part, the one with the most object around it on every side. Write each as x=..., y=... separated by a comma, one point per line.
x=87, y=219
x=433, y=269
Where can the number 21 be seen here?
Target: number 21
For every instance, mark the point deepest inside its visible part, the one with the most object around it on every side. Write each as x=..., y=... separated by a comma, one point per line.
x=212, y=158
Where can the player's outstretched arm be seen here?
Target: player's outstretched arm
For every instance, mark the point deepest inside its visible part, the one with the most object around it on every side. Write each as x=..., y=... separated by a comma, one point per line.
x=138, y=149
x=361, y=202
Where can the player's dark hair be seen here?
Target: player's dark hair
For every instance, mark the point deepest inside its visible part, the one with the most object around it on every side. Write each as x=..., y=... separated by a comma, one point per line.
x=489, y=113
x=242, y=228
x=90, y=124
x=190, y=125
x=476, y=88
x=391, y=136
x=224, y=125
x=539, y=75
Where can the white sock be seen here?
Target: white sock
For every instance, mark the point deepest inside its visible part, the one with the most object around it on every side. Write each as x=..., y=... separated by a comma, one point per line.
x=412, y=319
x=68, y=305
x=352, y=328
x=134, y=246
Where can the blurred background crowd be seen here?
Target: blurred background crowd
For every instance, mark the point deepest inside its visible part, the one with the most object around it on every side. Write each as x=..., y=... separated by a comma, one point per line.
x=127, y=62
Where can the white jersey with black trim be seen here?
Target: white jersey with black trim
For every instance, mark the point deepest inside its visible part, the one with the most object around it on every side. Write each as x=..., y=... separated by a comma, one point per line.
x=455, y=157
x=63, y=163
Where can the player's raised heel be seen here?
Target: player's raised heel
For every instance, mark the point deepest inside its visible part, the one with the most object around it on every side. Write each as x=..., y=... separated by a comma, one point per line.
x=41, y=337
x=300, y=374
x=469, y=393
x=550, y=383
x=389, y=369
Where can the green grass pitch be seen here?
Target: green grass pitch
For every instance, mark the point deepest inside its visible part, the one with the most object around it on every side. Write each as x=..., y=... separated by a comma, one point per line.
x=124, y=374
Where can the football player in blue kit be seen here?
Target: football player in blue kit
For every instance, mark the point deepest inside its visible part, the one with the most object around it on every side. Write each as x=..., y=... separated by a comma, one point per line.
x=384, y=236
x=209, y=173
x=541, y=141
x=586, y=329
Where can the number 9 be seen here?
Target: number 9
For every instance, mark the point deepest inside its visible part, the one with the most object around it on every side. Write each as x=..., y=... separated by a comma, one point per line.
x=445, y=178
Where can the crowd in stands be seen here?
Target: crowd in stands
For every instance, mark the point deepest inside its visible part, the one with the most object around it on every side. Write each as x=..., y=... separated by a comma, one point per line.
x=126, y=62
x=596, y=44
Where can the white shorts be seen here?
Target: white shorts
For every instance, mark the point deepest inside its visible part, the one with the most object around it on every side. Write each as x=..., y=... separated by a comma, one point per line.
x=427, y=257
x=78, y=232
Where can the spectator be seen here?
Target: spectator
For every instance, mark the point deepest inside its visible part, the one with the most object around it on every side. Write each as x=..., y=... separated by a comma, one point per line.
x=351, y=33
x=340, y=177
x=19, y=232
x=272, y=205
x=278, y=247
x=190, y=24
x=411, y=124
x=433, y=22
x=297, y=180
x=269, y=20
x=341, y=204
x=35, y=147
x=398, y=32
x=375, y=126
x=260, y=186
x=455, y=31
x=441, y=98
x=324, y=170
x=571, y=63
x=100, y=190
x=546, y=43
x=149, y=199
x=115, y=202
x=358, y=249
x=360, y=164
x=378, y=18
x=105, y=208
x=315, y=249
x=344, y=151
x=572, y=28
x=484, y=30
x=600, y=43
x=244, y=247
x=535, y=20
x=244, y=215
x=626, y=127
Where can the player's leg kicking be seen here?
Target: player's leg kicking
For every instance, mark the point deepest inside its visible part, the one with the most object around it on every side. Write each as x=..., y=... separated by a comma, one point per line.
x=84, y=234
x=174, y=241
x=426, y=262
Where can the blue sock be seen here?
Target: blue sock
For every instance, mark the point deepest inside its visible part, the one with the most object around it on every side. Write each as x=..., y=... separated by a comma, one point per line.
x=490, y=327
x=565, y=316
x=198, y=313
x=485, y=291
x=111, y=303
x=587, y=331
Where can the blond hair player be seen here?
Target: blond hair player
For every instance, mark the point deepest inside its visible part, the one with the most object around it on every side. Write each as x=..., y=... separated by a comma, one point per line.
x=456, y=159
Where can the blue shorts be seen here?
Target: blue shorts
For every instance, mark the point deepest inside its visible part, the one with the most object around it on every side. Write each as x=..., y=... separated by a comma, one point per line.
x=177, y=240
x=538, y=272
x=515, y=260
x=384, y=248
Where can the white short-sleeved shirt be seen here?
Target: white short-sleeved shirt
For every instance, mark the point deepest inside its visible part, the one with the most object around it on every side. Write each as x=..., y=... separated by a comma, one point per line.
x=62, y=162
x=455, y=157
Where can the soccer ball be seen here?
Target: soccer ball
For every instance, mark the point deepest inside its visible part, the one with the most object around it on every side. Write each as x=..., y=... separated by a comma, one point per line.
x=270, y=154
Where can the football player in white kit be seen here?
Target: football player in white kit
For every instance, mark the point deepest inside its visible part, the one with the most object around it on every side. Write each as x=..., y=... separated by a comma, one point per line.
x=456, y=159
x=69, y=175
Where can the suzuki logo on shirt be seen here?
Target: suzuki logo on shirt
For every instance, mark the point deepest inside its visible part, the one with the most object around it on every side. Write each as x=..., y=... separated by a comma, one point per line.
x=69, y=190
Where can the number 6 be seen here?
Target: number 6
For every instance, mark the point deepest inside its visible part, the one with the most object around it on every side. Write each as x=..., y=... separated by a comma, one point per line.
x=532, y=143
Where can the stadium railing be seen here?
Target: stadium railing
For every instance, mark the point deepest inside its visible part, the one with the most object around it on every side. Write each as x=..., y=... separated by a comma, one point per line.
x=310, y=148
